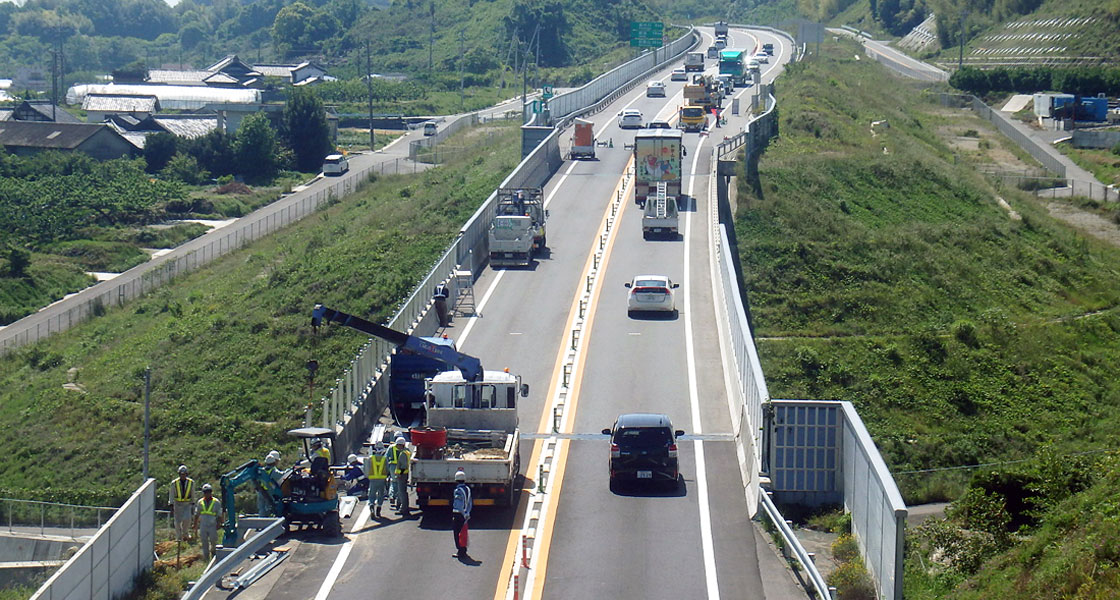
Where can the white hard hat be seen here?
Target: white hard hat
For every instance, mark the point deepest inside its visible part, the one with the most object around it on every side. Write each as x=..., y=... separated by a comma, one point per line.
x=206, y=487
x=400, y=440
x=460, y=475
x=352, y=458
x=182, y=468
x=274, y=454
x=315, y=443
x=270, y=459
x=379, y=446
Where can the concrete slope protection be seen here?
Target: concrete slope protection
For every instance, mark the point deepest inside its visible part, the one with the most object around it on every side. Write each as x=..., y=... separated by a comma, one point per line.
x=675, y=543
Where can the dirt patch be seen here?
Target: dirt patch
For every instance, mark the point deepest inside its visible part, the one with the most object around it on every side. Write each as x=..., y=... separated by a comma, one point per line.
x=1086, y=222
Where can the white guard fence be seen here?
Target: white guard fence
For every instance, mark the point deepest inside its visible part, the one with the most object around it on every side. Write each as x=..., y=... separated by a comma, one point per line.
x=109, y=562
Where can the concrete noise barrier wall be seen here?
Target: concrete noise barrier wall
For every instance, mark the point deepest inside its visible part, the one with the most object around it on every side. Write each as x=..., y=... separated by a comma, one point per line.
x=108, y=563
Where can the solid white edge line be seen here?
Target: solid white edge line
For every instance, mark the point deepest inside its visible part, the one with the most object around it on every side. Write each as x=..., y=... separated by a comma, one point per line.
x=706, y=541
x=343, y=553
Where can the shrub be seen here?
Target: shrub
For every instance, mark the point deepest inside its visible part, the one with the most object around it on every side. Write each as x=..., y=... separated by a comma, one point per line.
x=965, y=333
x=845, y=548
x=185, y=168
x=852, y=582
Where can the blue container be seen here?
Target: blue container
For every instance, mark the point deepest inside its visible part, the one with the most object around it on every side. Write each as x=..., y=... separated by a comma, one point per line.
x=1093, y=109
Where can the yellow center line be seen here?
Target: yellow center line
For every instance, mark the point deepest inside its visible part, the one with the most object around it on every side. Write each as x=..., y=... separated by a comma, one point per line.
x=556, y=477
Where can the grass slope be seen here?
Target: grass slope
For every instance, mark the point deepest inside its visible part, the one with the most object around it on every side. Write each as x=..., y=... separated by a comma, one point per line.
x=227, y=344
x=881, y=272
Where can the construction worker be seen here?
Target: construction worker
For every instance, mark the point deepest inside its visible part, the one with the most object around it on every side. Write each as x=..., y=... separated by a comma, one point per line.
x=181, y=498
x=206, y=521
x=401, y=457
x=318, y=448
x=264, y=503
x=461, y=504
x=356, y=473
x=378, y=479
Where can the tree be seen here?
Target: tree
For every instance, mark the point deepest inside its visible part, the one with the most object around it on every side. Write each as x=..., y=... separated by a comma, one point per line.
x=254, y=147
x=308, y=133
x=213, y=151
x=18, y=261
x=184, y=167
x=158, y=149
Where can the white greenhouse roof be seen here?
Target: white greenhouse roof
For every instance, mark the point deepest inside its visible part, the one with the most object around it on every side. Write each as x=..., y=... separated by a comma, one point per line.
x=181, y=97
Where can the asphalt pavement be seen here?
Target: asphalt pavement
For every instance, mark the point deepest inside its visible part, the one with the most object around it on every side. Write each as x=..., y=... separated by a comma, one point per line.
x=695, y=540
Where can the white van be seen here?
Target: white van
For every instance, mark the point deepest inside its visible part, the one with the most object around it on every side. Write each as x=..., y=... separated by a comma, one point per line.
x=335, y=164
x=429, y=127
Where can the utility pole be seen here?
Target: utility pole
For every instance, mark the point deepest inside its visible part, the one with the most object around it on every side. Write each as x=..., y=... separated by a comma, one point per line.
x=960, y=59
x=147, y=417
x=369, y=90
x=431, y=31
x=524, y=84
x=461, y=99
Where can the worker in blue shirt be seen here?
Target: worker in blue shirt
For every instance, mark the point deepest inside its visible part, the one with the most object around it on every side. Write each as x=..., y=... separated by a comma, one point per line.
x=461, y=504
x=356, y=474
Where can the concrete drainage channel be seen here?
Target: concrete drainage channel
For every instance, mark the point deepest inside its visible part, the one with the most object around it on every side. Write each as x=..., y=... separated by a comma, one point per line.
x=540, y=499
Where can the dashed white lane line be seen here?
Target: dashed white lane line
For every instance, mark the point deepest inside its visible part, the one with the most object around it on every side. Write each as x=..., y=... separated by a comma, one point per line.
x=706, y=540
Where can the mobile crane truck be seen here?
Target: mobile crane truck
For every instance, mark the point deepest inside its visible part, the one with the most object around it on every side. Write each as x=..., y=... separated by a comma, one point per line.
x=471, y=421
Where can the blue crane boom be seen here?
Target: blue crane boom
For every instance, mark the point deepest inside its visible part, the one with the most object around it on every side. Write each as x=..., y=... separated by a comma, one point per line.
x=470, y=366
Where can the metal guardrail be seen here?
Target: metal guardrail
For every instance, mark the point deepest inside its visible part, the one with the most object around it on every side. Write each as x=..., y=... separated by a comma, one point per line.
x=270, y=529
x=815, y=579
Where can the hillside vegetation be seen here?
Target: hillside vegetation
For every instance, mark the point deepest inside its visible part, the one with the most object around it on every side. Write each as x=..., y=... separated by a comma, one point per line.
x=227, y=344
x=882, y=271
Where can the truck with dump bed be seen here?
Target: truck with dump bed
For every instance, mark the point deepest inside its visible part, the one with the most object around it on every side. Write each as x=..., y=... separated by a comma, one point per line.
x=721, y=28
x=476, y=431
x=517, y=231
x=768, y=48
x=694, y=61
x=657, y=159
x=661, y=215
x=692, y=118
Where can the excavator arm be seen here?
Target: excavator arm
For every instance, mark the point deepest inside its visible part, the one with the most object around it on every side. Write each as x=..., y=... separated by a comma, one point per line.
x=250, y=472
x=470, y=366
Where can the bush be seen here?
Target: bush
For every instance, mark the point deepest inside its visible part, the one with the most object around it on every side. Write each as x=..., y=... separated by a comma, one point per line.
x=852, y=582
x=845, y=548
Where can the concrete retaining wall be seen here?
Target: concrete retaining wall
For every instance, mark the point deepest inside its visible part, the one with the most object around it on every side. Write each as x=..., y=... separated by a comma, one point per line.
x=1095, y=139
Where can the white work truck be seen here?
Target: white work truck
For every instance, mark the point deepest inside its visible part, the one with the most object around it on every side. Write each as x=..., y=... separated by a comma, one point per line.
x=661, y=215
x=482, y=439
x=517, y=231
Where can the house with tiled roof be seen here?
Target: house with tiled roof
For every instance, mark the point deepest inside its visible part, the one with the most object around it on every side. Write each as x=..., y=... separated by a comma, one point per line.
x=231, y=71
x=30, y=137
x=38, y=110
x=100, y=106
x=136, y=131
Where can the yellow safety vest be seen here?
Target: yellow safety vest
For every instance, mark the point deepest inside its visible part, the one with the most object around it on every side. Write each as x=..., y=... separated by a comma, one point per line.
x=401, y=458
x=182, y=495
x=324, y=453
x=204, y=509
x=377, y=464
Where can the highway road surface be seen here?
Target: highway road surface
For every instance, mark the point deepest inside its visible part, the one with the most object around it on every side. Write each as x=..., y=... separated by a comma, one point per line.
x=696, y=541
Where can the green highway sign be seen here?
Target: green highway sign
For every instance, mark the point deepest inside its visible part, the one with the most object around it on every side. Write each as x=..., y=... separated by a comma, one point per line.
x=546, y=92
x=646, y=34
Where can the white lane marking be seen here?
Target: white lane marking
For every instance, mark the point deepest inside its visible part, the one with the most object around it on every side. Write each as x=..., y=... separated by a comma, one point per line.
x=343, y=554
x=462, y=339
x=706, y=541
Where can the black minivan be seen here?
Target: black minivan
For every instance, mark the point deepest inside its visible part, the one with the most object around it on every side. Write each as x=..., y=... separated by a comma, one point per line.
x=643, y=448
